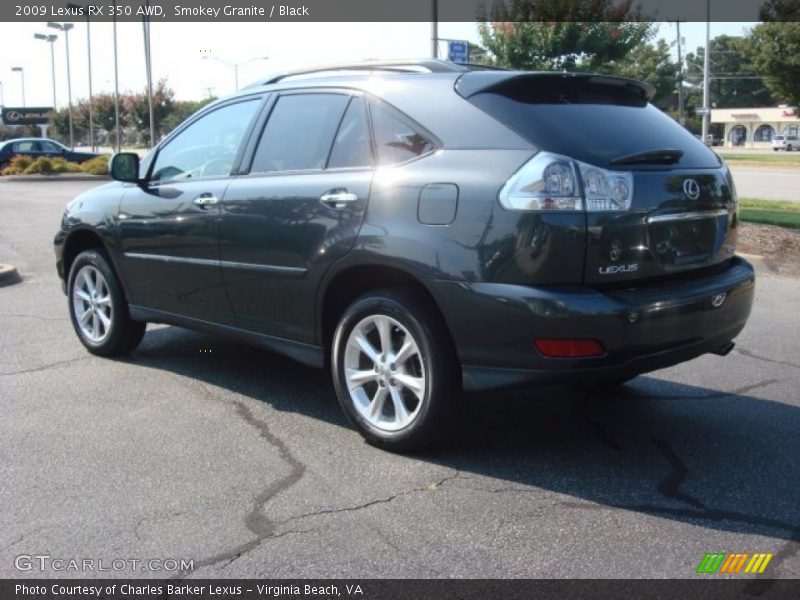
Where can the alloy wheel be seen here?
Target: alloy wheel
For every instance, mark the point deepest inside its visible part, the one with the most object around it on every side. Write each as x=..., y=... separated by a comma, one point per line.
x=92, y=304
x=385, y=373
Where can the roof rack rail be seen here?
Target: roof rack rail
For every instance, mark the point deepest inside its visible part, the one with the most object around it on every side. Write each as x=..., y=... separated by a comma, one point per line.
x=397, y=66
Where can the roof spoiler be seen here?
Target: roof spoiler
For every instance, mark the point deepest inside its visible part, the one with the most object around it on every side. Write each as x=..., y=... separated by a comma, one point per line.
x=475, y=82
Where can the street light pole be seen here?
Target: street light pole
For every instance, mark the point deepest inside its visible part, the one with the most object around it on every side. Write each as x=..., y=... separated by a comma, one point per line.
x=21, y=72
x=116, y=84
x=149, y=69
x=51, y=38
x=65, y=27
x=89, y=62
x=235, y=65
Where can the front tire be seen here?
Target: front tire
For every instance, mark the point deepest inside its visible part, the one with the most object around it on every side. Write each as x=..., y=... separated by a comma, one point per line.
x=98, y=308
x=395, y=371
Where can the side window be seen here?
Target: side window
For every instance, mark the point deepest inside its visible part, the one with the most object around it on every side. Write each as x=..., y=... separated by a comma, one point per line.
x=352, y=145
x=299, y=133
x=49, y=146
x=207, y=147
x=396, y=139
x=26, y=147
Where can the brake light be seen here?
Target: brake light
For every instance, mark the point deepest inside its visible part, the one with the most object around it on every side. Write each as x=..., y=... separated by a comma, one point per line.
x=570, y=348
x=554, y=182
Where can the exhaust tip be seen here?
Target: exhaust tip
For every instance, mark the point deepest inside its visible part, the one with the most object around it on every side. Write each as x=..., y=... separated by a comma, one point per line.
x=724, y=350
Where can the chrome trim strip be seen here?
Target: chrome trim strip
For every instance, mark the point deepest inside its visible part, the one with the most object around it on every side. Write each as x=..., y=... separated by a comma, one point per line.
x=688, y=216
x=225, y=264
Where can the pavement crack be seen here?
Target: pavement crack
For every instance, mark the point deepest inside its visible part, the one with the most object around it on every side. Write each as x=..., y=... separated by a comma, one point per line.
x=37, y=317
x=581, y=408
x=12, y=544
x=670, y=486
x=53, y=365
x=752, y=387
x=261, y=526
x=755, y=356
x=359, y=507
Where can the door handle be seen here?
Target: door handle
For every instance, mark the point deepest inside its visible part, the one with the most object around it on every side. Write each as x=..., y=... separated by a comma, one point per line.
x=205, y=200
x=337, y=198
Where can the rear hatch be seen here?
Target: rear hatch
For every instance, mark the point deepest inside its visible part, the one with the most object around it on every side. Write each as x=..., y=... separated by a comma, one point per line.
x=681, y=214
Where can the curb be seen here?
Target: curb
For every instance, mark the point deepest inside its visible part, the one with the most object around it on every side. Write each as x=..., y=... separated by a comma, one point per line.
x=8, y=275
x=56, y=177
x=759, y=263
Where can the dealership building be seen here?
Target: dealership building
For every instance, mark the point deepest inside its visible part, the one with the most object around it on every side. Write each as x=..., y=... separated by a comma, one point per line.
x=755, y=127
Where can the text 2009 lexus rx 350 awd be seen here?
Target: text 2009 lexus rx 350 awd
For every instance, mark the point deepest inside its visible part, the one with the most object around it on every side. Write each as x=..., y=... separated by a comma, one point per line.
x=420, y=228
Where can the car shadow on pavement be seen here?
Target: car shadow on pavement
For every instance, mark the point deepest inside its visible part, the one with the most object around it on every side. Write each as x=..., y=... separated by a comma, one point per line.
x=725, y=460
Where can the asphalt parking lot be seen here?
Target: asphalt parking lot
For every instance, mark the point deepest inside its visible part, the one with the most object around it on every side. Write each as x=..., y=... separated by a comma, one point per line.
x=196, y=448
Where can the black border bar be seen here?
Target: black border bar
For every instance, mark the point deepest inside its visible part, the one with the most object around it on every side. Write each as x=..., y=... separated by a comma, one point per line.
x=370, y=10
x=708, y=588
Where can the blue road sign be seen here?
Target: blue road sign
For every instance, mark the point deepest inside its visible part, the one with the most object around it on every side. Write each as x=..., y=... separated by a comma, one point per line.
x=458, y=51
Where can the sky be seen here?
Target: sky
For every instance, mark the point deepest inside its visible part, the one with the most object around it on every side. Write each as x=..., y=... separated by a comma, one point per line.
x=178, y=49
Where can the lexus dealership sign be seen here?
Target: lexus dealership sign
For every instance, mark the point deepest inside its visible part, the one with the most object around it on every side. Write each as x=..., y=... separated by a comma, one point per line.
x=35, y=115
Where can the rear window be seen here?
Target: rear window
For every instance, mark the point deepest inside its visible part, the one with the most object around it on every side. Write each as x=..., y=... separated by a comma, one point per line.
x=593, y=123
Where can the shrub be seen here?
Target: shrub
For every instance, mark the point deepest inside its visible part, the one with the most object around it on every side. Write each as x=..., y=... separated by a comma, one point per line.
x=47, y=166
x=17, y=165
x=96, y=166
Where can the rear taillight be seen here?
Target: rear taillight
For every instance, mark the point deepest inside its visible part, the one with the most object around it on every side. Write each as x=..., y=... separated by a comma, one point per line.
x=553, y=182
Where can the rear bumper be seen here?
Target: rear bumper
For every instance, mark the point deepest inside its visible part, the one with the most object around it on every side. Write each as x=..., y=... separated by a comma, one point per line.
x=494, y=326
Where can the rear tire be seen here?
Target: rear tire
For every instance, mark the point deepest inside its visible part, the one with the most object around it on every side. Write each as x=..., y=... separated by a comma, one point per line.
x=395, y=371
x=98, y=308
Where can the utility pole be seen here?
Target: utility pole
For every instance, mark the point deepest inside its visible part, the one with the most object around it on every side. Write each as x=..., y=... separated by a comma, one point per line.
x=707, y=73
x=435, y=29
x=681, y=118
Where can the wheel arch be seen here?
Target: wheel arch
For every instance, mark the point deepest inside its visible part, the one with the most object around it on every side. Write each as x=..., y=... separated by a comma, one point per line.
x=81, y=239
x=351, y=282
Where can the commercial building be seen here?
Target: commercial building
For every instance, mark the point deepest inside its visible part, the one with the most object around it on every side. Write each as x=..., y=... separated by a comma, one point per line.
x=755, y=127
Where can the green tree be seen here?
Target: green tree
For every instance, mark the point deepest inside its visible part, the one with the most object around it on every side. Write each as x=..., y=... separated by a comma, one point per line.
x=181, y=110
x=651, y=63
x=138, y=113
x=780, y=10
x=565, y=35
x=776, y=55
x=735, y=80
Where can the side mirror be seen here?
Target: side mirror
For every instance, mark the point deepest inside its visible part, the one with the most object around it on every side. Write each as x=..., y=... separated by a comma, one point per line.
x=125, y=167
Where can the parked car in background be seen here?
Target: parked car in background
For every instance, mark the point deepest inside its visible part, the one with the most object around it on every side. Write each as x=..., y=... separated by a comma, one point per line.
x=785, y=142
x=420, y=229
x=36, y=147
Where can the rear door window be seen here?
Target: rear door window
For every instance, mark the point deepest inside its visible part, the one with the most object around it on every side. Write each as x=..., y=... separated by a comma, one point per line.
x=299, y=133
x=352, y=145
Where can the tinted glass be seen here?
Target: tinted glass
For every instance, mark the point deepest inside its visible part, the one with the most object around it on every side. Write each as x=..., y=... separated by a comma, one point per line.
x=299, y=133
x=396, y=139
x=351, y=147
x=50, y=146
x=207, y=147
x=26, y=147
x=592, y=127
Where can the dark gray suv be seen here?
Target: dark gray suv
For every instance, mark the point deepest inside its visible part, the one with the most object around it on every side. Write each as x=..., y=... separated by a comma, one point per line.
x=420, y=228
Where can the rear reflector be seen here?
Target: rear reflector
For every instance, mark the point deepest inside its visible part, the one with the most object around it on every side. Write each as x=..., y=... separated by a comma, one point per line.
x=569, y=348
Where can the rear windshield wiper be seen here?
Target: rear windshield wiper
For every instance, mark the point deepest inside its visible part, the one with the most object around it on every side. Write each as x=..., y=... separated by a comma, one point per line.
x=667, y=156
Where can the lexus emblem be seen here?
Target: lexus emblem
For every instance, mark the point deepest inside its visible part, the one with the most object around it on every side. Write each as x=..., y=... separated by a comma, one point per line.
x=692, y=189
